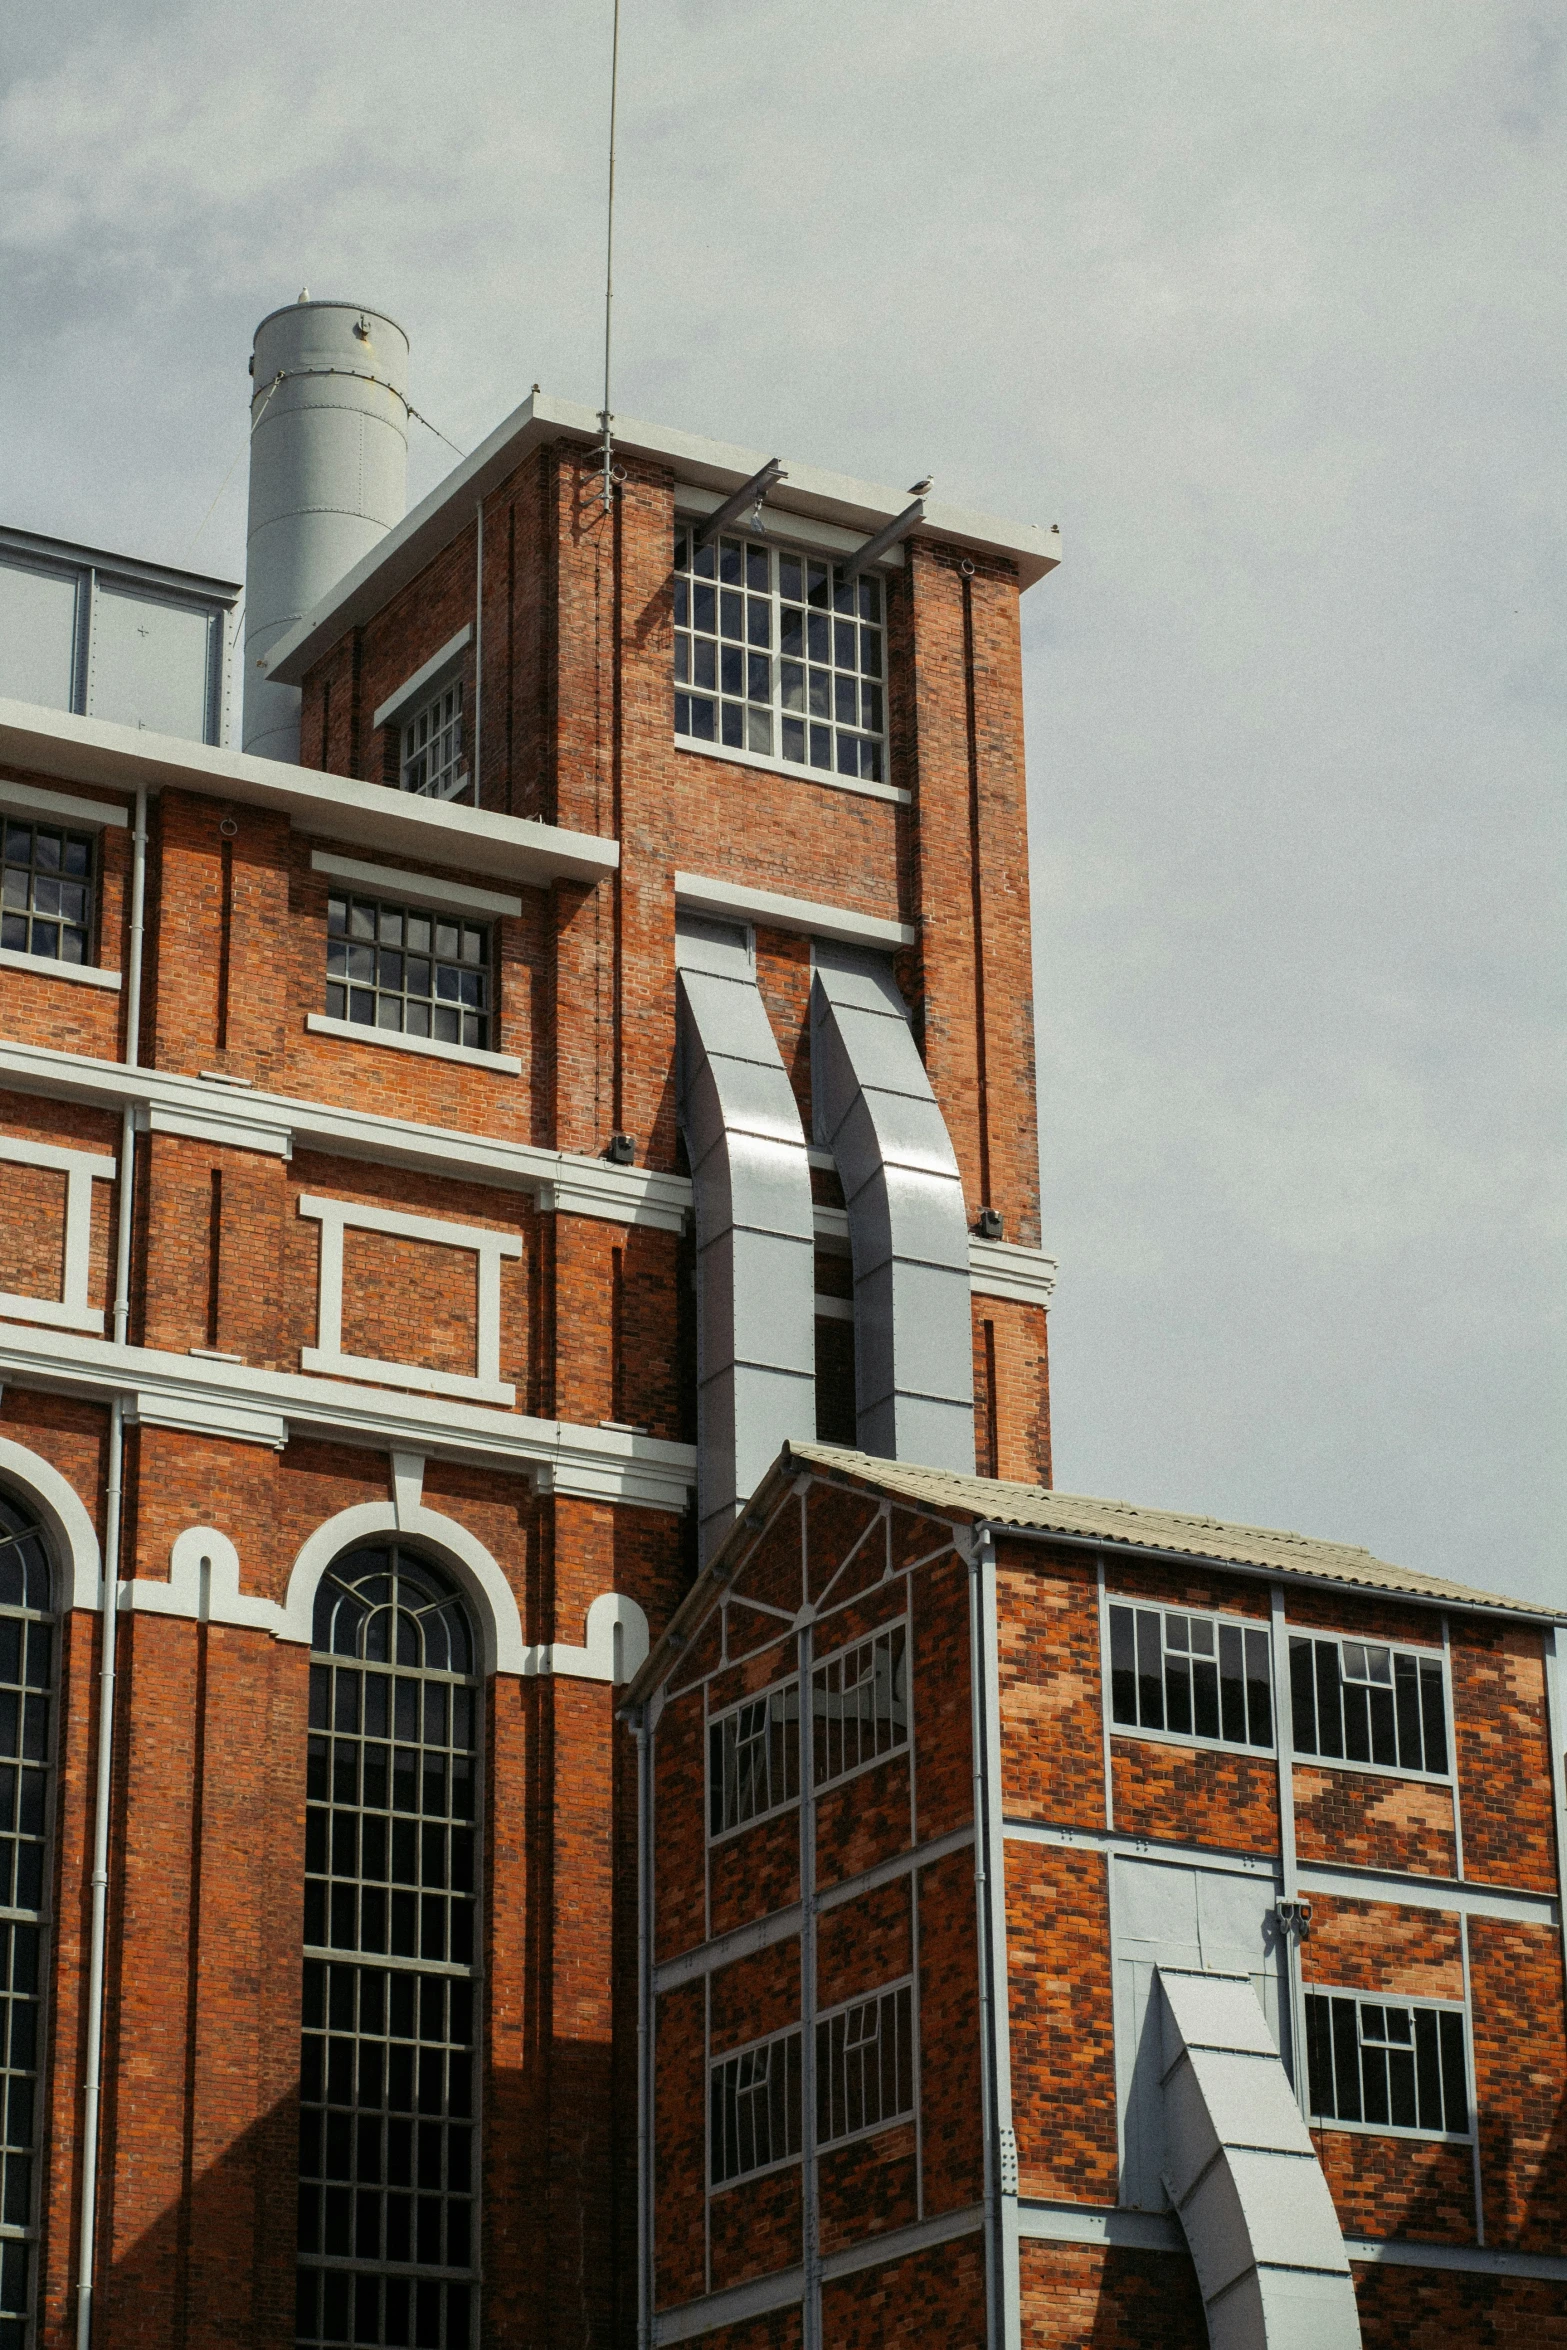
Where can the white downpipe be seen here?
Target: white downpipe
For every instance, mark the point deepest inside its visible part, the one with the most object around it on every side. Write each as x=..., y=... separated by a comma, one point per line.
x=478, y=651
x=92, y=2081
x=987, y=2102
x=644, y=2032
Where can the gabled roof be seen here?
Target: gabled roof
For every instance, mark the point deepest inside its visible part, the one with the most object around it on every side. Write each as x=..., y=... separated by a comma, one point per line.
x=1031, y=1509
x=718, y=466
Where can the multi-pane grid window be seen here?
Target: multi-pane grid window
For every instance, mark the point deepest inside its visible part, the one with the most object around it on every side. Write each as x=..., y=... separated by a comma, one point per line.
x=46, y=892
x=753, y=1758
x=754, y=2109
x=1193, y=1676
x=1357, y=1701
x=859, y=1705
x=777, y=653
x=865, y=2065
x=418, y=974
x=432, y=746
x=1387, y=2064
x=388, y=2152
x=864, y=2080
x=26, y=1684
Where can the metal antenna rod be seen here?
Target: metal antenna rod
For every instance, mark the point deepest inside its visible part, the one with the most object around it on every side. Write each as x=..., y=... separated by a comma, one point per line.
x=609, y=262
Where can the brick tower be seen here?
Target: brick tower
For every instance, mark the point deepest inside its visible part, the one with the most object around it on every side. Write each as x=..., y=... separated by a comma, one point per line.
x=443, y=1170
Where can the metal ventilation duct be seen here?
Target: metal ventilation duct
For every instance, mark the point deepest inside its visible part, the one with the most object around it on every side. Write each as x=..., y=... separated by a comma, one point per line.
x=328, y=477
x=876, y=1113
x=1244, y=2177
x=755, y=1242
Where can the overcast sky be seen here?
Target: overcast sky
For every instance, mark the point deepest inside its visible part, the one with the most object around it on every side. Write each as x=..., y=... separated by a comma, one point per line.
x=1264, y=306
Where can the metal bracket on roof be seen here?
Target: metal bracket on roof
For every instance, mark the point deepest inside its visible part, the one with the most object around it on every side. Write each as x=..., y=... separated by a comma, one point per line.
x=751, y=493
x=874, y=549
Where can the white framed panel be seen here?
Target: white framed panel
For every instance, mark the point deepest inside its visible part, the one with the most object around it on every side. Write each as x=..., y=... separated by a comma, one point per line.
x=72, y=1532
x=81, y=1169
x=489, y=1248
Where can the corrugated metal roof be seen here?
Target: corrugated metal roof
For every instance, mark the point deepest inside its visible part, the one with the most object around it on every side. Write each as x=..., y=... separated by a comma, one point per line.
x=1125, y=1523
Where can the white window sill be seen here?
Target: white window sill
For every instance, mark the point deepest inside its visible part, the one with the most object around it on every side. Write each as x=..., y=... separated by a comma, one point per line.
x=1193, y=1738
x=796, y=773
x=48, y=967
x=352, y=1032
x=1372, y=1770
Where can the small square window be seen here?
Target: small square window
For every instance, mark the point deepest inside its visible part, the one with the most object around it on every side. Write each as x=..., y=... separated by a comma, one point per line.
x=425, y=977
x=46, y=892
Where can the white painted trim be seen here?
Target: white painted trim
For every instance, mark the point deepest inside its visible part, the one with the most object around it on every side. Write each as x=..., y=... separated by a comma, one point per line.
x=485, y=1384
x=353, y=1032
x=203, y=1586
x=50, y=967
x=860, y=785
x=1157, y=2231
x=1002, y=1268
x=202, y=1415
x=567, y=1181
x=71, y=1310
x=218, y=1126
x=500, y=1626
x=424, y=889
x=435, y=667
x=65, y=1520
x=783, y=527
x=785, y=2287
x=708, y=894
x=560, y=1456
x=64, y=805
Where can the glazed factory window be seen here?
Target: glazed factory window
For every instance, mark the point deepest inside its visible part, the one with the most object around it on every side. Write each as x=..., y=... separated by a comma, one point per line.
x=46, y=892
x=432, y=746
x=775, y=652
x=400, y=968
x=1387, y=2064
x=1357, y=1701
x=1189, y=1675
x=753, y=1758
x=388, y=2138
x=865, y=2065
x=859, y=1705
x=26, y=1688
x=754, y=2109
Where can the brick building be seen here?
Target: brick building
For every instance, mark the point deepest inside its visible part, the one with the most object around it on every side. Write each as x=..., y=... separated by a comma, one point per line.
x=447, y=1149
x=461, y=1154
x=1003, y=1850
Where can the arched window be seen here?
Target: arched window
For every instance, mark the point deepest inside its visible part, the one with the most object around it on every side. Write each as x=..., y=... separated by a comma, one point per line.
x=388, y=2142
x=26, y=1747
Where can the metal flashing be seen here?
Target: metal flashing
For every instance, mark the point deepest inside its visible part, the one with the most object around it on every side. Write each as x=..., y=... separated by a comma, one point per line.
x=707, y=893
x=857, y=506
x=423, y=889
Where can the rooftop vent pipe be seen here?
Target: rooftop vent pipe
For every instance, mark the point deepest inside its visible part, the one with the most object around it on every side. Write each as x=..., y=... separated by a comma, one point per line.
x=328, y=477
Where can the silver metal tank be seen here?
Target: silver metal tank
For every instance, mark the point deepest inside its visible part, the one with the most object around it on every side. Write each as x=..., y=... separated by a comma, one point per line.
x=328, y=477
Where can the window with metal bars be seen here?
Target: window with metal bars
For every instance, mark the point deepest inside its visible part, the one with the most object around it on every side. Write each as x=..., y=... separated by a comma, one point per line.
x=432, y=746
x=415, y=973
x=388, y=2163
x=1362, y=1702
x=46, y=892
x=865, y=2065
x=859, y=1705
x=1387, y=2064
x=26, y=1692
x=753, y=1758
x=1191, y=1676
x=754, y=2109
x=777, y=653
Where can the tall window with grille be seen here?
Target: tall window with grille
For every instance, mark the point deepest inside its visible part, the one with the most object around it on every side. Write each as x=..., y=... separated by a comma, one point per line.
x=388, y=2176
x=432, y=746
x=26, y=1746
x=776, y=653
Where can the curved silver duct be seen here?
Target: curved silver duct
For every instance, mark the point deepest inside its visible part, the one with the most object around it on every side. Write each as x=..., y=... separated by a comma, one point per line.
x=755, y=1240
x=876, y=1113
x=1244, y=2177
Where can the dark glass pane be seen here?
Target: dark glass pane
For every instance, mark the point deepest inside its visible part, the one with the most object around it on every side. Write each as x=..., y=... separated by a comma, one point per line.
x=1232, y=1683
x=1346, y=2060
x=1150, y=1670
x=1205, y=1695
x=1406, y=1684
x=1428, y=2069
x=1259, y=1693
x=1330, y=1711
x=1319, y=2055
x=1434, y=1714
x=1178, y=1692
x=1357, y=1721
x=1123, y=1667
x=1455, y=2091
x=1384, y=1739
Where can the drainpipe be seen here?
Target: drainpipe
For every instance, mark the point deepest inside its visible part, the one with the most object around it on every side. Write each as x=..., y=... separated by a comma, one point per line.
x=92, y=2082
x=478, y=650
x=987, y=2086
x=644, y=2032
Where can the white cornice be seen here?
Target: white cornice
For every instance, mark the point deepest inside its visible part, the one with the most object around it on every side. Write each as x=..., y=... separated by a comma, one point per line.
x=567, y=1181
x=705, y=893
x=1000, y=1268
x=332, y=807
x=270, y=1407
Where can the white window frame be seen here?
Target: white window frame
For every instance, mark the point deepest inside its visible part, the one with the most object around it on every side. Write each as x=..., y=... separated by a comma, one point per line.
x=1342, y=1762
x=716, y=2064
x=790, y=1681
x=1411, y=2001
x=81, y=1169
x=904, y=2113
x=399, y=705
x=823, y=1664
x=489, y=1247
x=1167, y=1737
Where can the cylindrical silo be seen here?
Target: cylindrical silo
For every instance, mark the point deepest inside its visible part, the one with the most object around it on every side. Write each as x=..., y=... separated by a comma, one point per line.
x=328, y=477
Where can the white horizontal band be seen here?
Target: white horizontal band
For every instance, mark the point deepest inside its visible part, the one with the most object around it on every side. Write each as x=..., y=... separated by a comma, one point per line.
x=352, y=1032
x=35, y=801
x=412, y=687
x=707, y=894
x=421, y=889
x=795, y=773
x=50, y=967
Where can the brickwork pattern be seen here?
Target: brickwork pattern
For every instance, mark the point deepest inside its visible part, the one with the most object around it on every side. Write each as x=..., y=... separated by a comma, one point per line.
x=932, y=2296
x=1062, y=2029
x=1195, y=1795
x=1374, y=1823
x=1047, y=1636
x=1078, y=2297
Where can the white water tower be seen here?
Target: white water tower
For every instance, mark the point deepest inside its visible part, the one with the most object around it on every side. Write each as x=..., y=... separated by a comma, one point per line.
x=328, y=478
